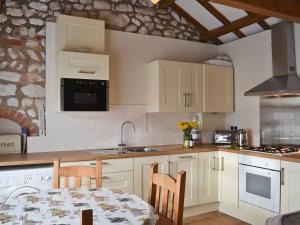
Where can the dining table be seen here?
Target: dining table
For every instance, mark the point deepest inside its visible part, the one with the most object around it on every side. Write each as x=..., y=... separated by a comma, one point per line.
x=63, y=207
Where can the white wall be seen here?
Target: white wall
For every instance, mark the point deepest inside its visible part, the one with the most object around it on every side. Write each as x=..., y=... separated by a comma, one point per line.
x=252, y=58
x=129, y=54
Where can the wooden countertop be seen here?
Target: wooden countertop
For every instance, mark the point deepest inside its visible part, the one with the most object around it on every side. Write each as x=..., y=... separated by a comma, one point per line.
x=82, y=155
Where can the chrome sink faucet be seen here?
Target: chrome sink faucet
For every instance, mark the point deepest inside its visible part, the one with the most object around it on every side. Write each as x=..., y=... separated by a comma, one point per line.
x=121, y=145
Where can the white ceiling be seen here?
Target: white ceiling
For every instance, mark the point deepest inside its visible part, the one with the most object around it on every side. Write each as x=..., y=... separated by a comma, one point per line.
x=205, y=18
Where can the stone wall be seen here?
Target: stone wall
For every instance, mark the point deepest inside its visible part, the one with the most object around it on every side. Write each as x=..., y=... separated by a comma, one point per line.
x=22, y=43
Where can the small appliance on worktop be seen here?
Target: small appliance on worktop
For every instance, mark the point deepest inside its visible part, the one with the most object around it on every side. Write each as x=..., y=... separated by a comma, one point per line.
x=234, y=137
x=222, y=137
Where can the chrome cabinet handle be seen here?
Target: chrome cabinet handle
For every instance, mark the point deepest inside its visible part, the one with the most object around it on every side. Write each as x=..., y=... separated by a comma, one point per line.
x=92, y=164
x=186, y=157
x=86, y=72
x=222, y=165
x=214, y=163
x=184, y=95
x=282, y=176
x=105, y=178
x=190, y=100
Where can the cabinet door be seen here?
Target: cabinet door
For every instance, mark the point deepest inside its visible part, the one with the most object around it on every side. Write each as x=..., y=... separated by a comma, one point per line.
x=188, y=163
x=290, y=183
x=142, y=172
x=194, y=87
x=218, y=89
x=171, y=76
x=122, y=181
x=83, y=65
x=77, y=32
x=228, y=179
x=208, y=177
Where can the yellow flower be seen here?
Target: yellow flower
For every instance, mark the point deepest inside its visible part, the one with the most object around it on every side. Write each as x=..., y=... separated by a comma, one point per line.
x=183, y=125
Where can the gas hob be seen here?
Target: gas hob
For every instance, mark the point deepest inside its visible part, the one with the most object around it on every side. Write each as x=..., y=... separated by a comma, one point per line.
x=273, y=149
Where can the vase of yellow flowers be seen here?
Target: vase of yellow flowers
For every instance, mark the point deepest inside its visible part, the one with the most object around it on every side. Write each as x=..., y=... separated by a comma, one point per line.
x=186, y=127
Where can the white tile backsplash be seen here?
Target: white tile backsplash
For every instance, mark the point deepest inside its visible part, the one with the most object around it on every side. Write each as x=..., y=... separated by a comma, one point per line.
x=69, y=131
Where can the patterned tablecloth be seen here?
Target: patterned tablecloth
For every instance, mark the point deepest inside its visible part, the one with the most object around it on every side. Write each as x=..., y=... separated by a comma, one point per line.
x=63, y=206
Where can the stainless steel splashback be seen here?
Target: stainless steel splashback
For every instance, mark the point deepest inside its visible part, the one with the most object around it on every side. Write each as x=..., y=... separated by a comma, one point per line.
x=280, y=120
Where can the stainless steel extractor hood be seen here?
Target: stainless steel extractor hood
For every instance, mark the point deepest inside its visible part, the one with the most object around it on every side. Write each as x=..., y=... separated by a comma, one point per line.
x=284, y=81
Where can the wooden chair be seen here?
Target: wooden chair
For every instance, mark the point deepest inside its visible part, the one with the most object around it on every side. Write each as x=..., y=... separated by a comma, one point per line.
x=171, y=192
x=86, y=217
x=77, y=172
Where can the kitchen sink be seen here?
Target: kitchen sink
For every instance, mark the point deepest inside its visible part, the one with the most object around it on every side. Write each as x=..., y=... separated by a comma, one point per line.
x=142, y=149
x=127, y=150
x=103, y=151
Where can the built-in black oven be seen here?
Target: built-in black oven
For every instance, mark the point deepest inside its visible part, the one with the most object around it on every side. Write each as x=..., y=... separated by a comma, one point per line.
x=84, y=95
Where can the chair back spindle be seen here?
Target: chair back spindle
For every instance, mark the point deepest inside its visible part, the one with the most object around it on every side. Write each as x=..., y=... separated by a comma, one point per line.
x=78, y=172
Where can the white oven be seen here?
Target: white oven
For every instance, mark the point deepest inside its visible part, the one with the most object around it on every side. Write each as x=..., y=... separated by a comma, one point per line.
x=259, y=182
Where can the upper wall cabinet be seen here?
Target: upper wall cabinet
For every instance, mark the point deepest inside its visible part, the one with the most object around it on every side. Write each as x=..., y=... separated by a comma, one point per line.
x=83, y=66
x=75, y=33
x=174, y=87
x=218, y=89
x=188, y=87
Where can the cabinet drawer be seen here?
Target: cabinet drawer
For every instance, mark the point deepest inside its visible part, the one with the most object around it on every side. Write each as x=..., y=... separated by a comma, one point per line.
x=108, y=166
x=83, y=65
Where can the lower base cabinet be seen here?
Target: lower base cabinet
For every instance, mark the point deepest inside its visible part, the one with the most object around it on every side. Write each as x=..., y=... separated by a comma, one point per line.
x=189, y=163
x=142, y=167
x=290, y=183
x=228, y=178
x=117, y=174
x=208, y=178
x=122, y=181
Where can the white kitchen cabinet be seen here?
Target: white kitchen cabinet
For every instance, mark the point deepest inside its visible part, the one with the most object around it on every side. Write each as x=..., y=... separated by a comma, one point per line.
x=83, y=66
x=193, y=84
x=218, y=89
x=142, y=167
x=116, y=173
x=188, y=163
x=228, y=178
x=174, y=87
x=74, y=33
x=208, y=177
x=290, y=183
x=122, y=181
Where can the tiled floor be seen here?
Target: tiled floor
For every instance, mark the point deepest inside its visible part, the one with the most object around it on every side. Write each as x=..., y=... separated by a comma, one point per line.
x=213, y=218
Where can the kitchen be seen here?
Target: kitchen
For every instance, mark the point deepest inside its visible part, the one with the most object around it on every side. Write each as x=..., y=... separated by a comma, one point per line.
x=128, y=99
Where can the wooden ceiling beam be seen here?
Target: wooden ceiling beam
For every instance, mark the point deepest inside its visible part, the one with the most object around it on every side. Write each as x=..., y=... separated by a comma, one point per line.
x=264, y=25
x=165, y=3
x=202, y=30
x=284, y=9
x=216, y=13
x=235, y=25
x=2, y=5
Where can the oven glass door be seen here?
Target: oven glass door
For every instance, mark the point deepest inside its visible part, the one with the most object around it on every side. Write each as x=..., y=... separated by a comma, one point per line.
x=260, y=187
x=84, y=95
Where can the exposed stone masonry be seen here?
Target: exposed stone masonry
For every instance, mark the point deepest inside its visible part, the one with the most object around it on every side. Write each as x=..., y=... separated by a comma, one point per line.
x=22, y=43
